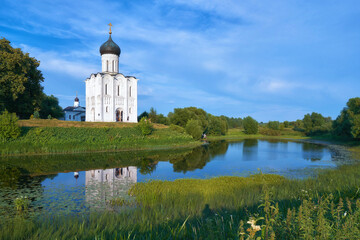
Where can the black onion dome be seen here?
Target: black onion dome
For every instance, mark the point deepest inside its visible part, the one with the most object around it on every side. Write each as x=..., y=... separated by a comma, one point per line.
x=76, y=99
x=109, y=47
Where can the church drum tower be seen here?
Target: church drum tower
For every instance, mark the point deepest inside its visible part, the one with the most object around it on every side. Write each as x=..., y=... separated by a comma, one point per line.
x=111, y=96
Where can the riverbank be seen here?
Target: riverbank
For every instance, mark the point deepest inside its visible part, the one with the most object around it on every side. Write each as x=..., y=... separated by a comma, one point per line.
x=54, y=137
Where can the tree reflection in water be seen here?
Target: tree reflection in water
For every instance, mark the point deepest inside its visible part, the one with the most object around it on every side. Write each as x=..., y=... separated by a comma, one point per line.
x=199, y=156
x=312, y=152
x=250, y=149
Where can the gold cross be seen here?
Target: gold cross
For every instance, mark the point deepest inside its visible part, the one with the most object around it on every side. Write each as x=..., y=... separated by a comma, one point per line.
x=110, y=28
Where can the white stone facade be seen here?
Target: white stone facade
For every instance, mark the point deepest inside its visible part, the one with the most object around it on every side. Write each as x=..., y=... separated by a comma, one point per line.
x=111, y=96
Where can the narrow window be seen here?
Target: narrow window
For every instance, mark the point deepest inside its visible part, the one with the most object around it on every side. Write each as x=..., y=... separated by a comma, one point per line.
x=118, y=90
x=107, y=109
x=73, y=117
x=70, y=117
x=107, y=65
x=105, y=89
x=129, y=110
x=113, y=66
x=130, y=91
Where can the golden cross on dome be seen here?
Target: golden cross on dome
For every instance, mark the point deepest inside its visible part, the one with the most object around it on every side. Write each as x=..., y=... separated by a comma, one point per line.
x=110, y=28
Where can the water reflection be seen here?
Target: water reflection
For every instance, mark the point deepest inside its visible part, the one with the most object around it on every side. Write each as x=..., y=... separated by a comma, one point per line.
x=105, y=185
x=312, y=152
x=250, y=149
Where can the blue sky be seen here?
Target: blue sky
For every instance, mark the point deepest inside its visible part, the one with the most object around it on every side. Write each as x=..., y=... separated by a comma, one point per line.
x=270, y=59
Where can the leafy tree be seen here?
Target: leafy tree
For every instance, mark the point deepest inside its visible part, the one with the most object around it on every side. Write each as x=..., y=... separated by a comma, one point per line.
x=182, y=115
x=153, y=115
x=217, y=126
x=251, y=126
x=9, y=129
x=50, y=106
x=20, y=81
x=307, y=123
x=274, y=125
x=286, y=124
x=163, y=119
x=348, y=123
x=193, y=128
x=144, y=114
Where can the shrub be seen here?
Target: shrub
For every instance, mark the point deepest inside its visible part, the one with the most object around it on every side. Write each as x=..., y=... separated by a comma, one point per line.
x=36, y=115
x=250, y=125
x=9, y=128
x=145, y=126
x=217, y=126
x=274, y=125
x=269, y=132
x=193, y=128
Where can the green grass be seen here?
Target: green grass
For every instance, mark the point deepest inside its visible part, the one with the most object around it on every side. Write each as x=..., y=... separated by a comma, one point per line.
x=39, y=140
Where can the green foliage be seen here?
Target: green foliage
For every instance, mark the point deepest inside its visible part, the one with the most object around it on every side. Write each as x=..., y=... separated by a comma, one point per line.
x=36, y=115
x=217, y=126
x=286, y=124
x=193, y=128
x=250, y=125
x=22, y=203
x=163, y=119
x=9, y=128
x=347, y=124
x=274, y=125
x=144, y=114
x=182, y=115
x=20, y=81
x=50, y=107
x=233, y=122
x=145, y=126
x=153, y=115
x=315, y=124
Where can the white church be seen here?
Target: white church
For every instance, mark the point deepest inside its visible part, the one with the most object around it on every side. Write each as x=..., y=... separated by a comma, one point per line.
x=111, y=96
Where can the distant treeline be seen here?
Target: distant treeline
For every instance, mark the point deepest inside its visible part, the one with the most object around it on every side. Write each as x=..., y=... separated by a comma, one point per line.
x=196, y=122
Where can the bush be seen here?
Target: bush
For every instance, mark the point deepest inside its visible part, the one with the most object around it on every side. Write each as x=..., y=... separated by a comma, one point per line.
x=193, y=128
x=36, y=115
x=177, y=128
x=145, y=126
x=9, y=128
x=274, y=125
x=250, y=125
x=269, y=132
x=217, y=126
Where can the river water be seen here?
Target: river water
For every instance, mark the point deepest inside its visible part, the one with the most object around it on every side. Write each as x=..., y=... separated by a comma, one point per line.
x=79, y=182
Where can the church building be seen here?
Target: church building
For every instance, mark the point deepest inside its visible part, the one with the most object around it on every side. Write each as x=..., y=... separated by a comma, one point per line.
x=110, y=95
x=74, y=113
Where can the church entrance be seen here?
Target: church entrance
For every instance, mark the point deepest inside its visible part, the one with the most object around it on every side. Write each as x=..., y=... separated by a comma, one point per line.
x=119, y=115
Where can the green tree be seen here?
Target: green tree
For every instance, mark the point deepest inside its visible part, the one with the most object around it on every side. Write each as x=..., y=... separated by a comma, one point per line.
x=182, y=115
x=308, y=124
x=193, y=128
x=217, y=126
x=274, y=125
x=153, y=115
x=50, y=106
x=20, y=80
x=251, y=126
x=144, y=114
x=9, y=129
x=347, y=124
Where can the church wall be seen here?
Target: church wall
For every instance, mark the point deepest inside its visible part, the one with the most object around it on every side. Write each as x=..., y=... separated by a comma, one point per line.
x=110, y=63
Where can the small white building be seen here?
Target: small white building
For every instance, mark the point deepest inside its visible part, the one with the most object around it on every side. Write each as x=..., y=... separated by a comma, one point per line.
x=111, y=96
x=74, y=113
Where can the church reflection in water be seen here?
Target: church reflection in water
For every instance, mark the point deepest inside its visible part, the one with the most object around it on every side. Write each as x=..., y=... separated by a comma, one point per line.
x=103, y=186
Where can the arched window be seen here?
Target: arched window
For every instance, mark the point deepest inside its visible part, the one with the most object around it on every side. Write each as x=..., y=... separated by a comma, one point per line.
x=105, y=89
x=118, y=90
x=113, y=66
x=107, y=65
x=107, y=109
x=129, y=91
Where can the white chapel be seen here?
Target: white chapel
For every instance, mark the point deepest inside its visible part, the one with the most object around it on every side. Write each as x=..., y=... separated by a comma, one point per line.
x=111, y=96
